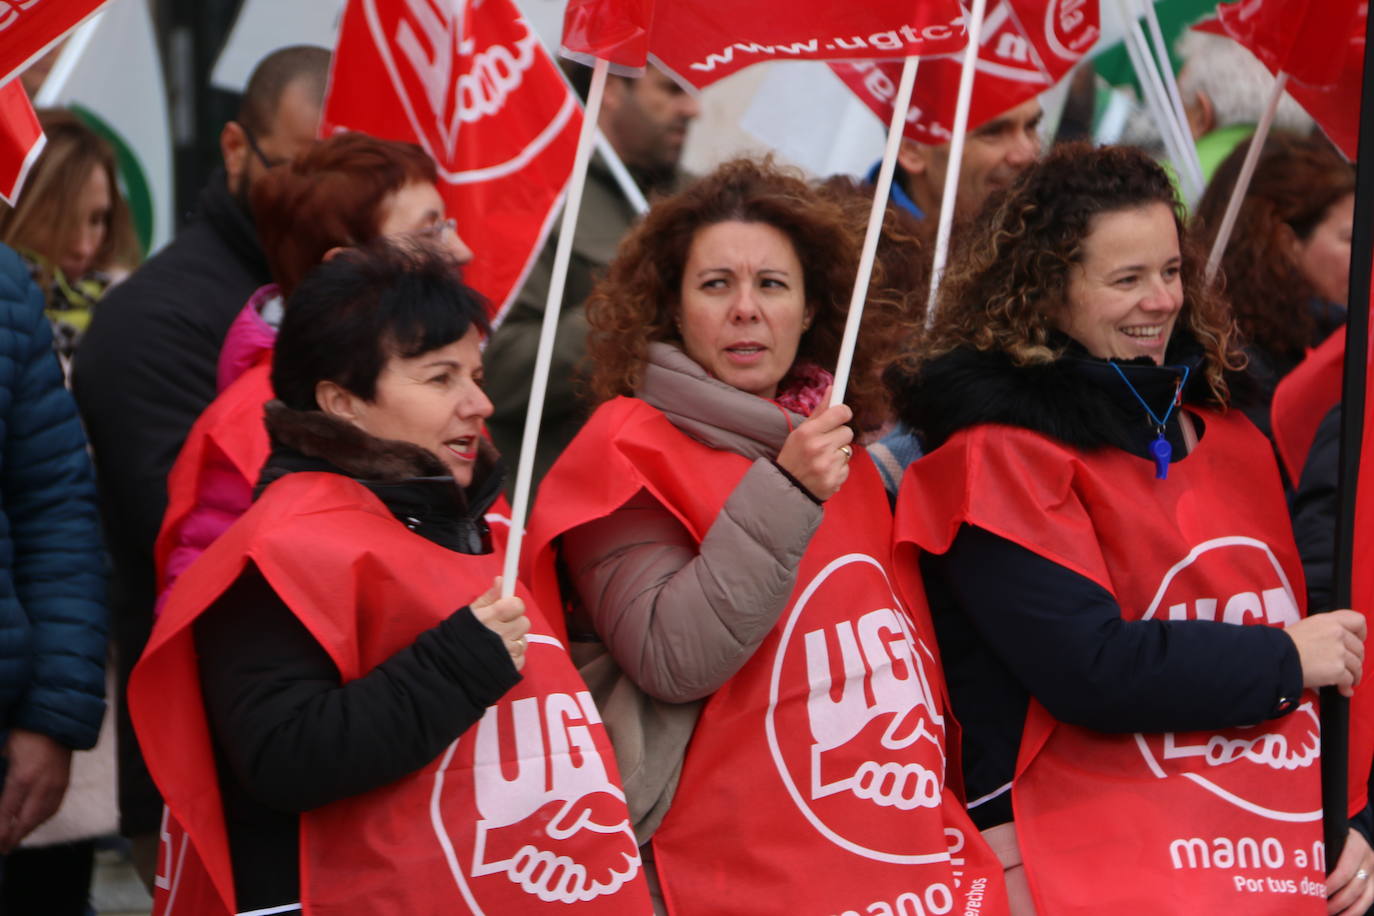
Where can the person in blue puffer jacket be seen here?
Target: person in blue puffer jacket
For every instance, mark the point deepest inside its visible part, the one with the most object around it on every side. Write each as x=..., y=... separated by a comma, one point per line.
x=52, y=578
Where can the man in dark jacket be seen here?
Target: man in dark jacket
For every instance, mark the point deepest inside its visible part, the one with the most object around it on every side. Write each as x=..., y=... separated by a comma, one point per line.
x=146, y=368
x=645, y=121
x=52, y=581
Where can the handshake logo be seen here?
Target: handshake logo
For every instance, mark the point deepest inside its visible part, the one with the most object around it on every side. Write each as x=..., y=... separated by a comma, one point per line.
x=547, y=819
x=884, y=703
x=854, y=726
x=1236, y=580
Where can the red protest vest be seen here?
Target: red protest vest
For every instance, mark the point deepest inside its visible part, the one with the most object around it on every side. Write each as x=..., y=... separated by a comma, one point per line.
x=522, y=814
x=1303, y=399
x=815, y=780
x=1177, y=823
x=230, y=429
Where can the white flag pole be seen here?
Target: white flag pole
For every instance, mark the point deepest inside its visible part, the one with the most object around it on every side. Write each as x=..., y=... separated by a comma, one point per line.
x=1170, y=79
x=1247, y=170
x=1156, y=99
x=56, y=81
x=956, y=154
x=622, y=176
x=875, y=226
x=524, y=475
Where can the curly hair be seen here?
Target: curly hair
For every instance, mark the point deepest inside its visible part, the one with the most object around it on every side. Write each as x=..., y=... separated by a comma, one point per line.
x=636, y=302
x=1296, y=181
x=1008, y=280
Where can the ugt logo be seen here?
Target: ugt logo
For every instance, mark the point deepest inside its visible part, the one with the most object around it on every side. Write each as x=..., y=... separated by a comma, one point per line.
x=1237, y=580
x=540, y=813
x=852, y=723
x=457, y=65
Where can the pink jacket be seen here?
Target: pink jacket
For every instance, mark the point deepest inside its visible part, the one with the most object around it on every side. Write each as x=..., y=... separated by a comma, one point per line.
x=211, y=483
x=248, y=337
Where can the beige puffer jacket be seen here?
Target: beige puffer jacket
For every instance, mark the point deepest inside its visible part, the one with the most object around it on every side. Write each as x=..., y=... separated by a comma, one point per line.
x=682, y=618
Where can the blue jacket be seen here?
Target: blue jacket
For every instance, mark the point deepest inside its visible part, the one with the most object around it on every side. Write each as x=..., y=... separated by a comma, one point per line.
x=52, y=580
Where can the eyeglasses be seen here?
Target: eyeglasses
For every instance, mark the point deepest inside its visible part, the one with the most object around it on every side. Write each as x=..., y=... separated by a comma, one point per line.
x=267, y=161
x=438, y=230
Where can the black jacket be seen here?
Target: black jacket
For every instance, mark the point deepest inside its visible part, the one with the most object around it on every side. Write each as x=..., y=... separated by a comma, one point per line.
x=145, y=371
x=1037, y=629
x=286, y=732
x=1316, y=505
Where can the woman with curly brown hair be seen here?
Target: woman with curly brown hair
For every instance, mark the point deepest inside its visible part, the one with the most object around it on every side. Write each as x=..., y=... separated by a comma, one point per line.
x=1287, y=266
x=717, y=529
x=1073, y=395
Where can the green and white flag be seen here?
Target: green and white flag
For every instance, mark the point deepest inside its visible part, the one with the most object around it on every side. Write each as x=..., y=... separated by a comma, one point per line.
x=110, y=74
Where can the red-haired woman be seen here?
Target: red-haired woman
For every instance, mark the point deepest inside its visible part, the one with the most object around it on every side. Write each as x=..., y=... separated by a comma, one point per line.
x=783, y=732
x=344, y=191
x=1287, y=266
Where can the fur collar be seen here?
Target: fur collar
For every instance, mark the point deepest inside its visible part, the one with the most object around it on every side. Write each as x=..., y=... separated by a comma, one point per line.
x=1077, y=399
x=412, y=483
x=316, y=434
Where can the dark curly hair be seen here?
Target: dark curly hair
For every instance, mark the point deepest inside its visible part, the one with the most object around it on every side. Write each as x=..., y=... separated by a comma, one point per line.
x=636, y=302
x=1296, y=181
x=1008, y=279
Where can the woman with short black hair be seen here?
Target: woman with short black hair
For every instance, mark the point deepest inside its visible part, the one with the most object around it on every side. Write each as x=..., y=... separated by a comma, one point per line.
x=329, y=730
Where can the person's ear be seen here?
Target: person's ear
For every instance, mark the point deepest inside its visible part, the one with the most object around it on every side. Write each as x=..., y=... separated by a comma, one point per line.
x=808, y=317
x=233, y=147
x=1291, y=243
x=613, y=97
x=331, y=254
x=913, y=157
x=337, y=401
x=1202, y=116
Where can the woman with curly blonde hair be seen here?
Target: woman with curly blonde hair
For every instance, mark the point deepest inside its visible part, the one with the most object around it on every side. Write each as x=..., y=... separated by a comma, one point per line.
x=1072, y=393
x=718, y=531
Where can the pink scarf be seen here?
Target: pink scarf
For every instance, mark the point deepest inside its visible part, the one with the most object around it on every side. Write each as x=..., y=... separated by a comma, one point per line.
x=803, y=388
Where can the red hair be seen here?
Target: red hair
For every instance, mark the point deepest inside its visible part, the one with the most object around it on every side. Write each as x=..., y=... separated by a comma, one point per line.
x=330, y=196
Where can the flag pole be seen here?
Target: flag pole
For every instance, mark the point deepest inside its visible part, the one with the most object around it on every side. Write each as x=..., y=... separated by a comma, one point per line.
x=1247, y=170
x=956, y=154
x=875, y=226
x=1170, y=80
x=638, y=202
x=1157, y=101
x=1335, y=709
x=524, y=475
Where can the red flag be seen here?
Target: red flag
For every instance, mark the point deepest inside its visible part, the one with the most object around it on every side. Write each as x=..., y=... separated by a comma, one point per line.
x=1027, y=45
x=701, y=42
x=21, y=140
x=614, y=30
x=30, y=27
x=1318, y=43
x=470, y=83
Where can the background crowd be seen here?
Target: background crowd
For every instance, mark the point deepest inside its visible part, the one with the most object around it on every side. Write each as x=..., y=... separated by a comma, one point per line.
x=295, y=418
